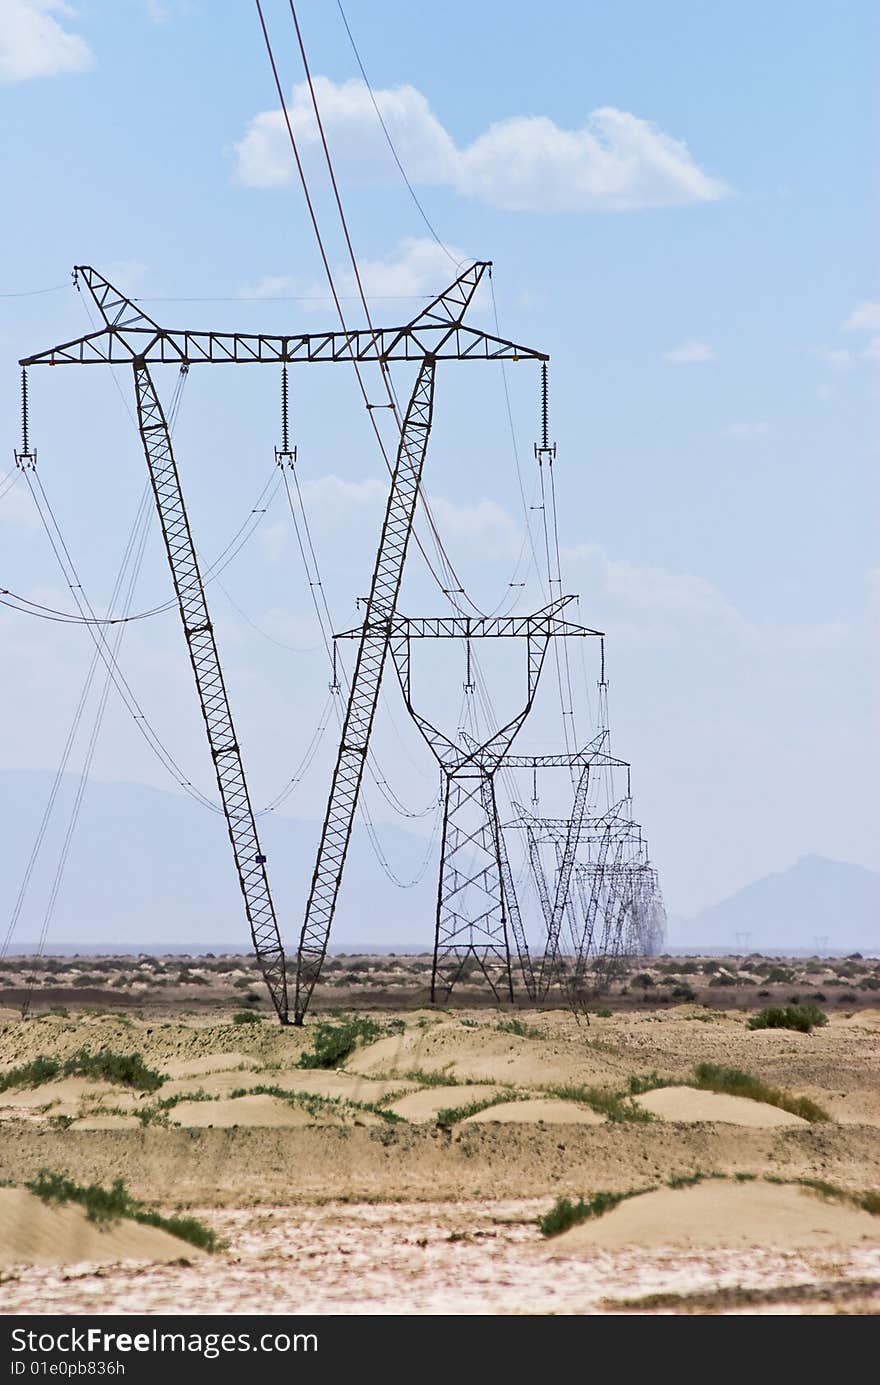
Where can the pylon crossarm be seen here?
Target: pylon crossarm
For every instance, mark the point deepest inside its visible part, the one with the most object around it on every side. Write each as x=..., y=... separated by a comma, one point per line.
x=129, y=334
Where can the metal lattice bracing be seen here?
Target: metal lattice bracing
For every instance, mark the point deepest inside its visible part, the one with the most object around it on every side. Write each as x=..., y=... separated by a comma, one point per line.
x=131, y=336
x=563, y=882
x=471, y=914
x=365, y=685
x=511, y=902
x=476, y=898
x=249, y=859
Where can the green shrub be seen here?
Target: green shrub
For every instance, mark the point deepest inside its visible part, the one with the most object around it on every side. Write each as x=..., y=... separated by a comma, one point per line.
x=780, y=975
x=522, y=1031
x=105, y=1205
x=333, y=1043
x=683, y=992
x=448, y=1116
x=734, y=1082
x=721, y=978
x=802, y=1018
x=604, y=1101
x=648, y=1083
x=643, y=980
x=32, y=1074
x=565, y=1214
x=246, y=1017
x=125, y=1069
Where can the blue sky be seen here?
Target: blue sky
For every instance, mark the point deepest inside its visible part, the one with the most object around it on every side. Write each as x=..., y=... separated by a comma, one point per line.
x=679, y=203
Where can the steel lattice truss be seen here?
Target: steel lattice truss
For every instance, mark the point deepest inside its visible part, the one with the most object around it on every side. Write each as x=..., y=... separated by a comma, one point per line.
x=130, y=336
x=616, y=909
x=476, y=898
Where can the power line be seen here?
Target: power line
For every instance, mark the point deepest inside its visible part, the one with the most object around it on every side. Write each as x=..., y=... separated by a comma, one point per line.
x=412, y=192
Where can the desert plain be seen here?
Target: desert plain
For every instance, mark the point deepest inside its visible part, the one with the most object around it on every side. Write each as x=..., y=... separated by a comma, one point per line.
x=648, y=1152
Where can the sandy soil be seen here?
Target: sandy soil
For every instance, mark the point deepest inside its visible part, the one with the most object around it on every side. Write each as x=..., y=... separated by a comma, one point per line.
x=463, y=1258
x=34, y=1233
x=255, y=1111
x=423, y=1105
x=539, y=1110
x=693, y=1104
x=380, y=1215
x=717, y=1214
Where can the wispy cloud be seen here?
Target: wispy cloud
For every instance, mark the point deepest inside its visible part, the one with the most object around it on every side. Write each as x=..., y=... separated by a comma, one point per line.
x=837, y=357
x=690, y=352
x=417, y=268
x=615, y=162
x=865, y=317
x=34, y=43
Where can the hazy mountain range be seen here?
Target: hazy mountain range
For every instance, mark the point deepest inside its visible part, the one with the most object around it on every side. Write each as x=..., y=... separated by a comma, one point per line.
x=816, y=905
x=153, y=867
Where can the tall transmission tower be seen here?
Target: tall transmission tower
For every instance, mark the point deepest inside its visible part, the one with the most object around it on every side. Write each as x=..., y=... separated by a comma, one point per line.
x=129, y=336
x=476, y=900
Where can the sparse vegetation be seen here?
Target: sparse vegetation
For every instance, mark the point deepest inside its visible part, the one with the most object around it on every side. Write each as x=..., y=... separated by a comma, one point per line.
x=124, y=1069
x=803, y=1018
x=733, y=1081
x=603, y=1100
x=565, y=1213
x=522, y=1031
x=712, y=1077
x=309, y=1101
x=448, y=1116
x=333, y=1043
x=106, y=1205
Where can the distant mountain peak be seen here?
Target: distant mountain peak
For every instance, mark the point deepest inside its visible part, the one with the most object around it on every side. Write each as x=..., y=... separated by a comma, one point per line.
x=815, y=898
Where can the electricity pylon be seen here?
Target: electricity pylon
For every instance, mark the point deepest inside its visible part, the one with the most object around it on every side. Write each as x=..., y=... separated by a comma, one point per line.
x=129, y=336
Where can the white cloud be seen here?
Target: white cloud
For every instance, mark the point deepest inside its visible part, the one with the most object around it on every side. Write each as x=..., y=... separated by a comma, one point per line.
x=837, y=357
x=690, y=352
x=418, y=268
x=18, y=509
x=33, y=43
x=615, y=162
x=483, y=523
x=872, y=350
x=480, y=522
x=333, y=492
x=758, y=429
x=865, y=317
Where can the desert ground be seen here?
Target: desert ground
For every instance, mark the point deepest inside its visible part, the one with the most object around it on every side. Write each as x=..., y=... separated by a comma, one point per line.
x=649, y=1152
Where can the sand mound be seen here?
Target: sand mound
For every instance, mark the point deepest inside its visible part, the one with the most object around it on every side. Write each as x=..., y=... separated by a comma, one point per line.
x=242, y=1110
x=64, y=1096
x=346, y=1086
x=209, y=1062
x=482, y=1053
x=34, y=1233
x=97, y=1121
x=692, y=1104
x=722, y=1214
x=547, y=1109
x=424, y=1105
x=341, y=1085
